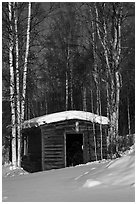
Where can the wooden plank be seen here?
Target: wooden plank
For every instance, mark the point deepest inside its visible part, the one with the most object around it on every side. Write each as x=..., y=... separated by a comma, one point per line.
x=52, y=149
x=53, y=152
x=53, y=145
x=53, y=160
x=53, y=156
x=53, y=163
x=53, y=142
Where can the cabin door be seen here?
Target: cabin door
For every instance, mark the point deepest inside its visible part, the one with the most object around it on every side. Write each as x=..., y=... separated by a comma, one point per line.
x=74, y=149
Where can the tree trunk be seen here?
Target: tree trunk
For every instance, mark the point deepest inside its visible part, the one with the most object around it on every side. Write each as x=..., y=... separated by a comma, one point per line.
x=24, y=85
x=117, y=108
x=108, y=111
x=17, y=88
x=84, y=99
x=129, y=120
x=112, y=66
x=12, y=90
x=67, y=92
x=101, y=135
x=97, y=81
x=94, y=132
x=71, y=87
x=25, y=65
x=67, y=77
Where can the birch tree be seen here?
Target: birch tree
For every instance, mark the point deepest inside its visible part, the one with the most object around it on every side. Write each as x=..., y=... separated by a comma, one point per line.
x=12, y=88
x=95, y=70
x=112, y=54
x=16, y=95
x=25, y=64
x=17, y=76
x=97, y=79
x=24, y=84
x=94, y=131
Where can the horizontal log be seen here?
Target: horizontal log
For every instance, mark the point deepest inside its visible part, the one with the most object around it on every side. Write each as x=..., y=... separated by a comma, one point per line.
x=53, y=160
x=51, y=140
x=53, y=146
x=54, y=156
x=55, y=153
x=53, y=149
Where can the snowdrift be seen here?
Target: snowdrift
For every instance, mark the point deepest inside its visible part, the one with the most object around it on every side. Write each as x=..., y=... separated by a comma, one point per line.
x=118, y=172
x=105, y=181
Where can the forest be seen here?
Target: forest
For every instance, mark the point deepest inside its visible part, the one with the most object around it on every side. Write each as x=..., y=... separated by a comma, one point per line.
x=59, y=56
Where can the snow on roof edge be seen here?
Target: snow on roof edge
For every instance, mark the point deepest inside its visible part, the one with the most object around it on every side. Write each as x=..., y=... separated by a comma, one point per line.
x=65, y=115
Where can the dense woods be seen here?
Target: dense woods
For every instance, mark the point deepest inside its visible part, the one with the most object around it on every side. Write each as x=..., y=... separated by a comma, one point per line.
x=68, y=56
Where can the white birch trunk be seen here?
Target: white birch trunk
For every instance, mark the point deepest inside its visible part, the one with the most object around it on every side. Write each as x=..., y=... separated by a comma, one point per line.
x=18, y=115
x=117, y=108
x=112, y=70
x=67, y=78
x=108, y=74
x=66, y=91
x=12, y=90
x=108, y=112
x=71, y=87
x=25, y=65
x=116, y=58
x=94, y=132
x=101, y=134
x=96, y=79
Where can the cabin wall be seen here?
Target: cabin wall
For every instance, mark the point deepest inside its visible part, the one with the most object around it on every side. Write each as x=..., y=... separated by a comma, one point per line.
x=31, y=157
x=54, y=144
x=52, y=148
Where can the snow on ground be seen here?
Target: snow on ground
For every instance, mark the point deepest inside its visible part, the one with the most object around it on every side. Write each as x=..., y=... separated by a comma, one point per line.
x=8, y=170
x=106, y=181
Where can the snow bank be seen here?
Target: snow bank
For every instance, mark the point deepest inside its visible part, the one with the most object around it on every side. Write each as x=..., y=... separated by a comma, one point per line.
x=96, y=182
x=91, y=183
x=9, y=171
x=120, y=172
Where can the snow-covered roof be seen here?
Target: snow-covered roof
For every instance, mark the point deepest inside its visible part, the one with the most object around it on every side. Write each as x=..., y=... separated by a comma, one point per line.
x=65, y=115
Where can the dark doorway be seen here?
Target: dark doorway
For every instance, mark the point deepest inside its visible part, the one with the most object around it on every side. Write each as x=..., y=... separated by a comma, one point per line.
x=74, y=149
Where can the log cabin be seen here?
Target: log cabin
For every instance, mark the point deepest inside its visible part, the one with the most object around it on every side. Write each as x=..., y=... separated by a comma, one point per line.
x=63, y=139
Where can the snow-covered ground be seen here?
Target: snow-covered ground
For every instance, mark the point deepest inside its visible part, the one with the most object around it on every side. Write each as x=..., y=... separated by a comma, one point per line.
x=106, y=181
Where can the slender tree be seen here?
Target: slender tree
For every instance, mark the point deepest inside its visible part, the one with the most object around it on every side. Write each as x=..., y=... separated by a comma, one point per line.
x=12, y=88
x=25, y=64
x=17, y=76
x=112, y=53
x=24, y=84
x=94, y=130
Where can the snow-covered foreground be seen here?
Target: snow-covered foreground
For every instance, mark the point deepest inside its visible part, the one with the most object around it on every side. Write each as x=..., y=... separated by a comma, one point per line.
x=108, y=181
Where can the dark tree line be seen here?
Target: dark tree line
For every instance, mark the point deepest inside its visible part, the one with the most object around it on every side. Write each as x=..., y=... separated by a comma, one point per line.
x=81, y=57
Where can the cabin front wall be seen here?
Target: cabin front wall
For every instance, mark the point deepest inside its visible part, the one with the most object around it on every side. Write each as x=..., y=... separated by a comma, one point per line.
x=52, y=149
x=54, y=142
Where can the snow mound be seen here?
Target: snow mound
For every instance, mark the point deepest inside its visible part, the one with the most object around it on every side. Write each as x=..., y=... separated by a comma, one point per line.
x=123, y=170
x=120, y=172
x=131, y=150
x=91, y=183
x=95, y=182
x=10, y=171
